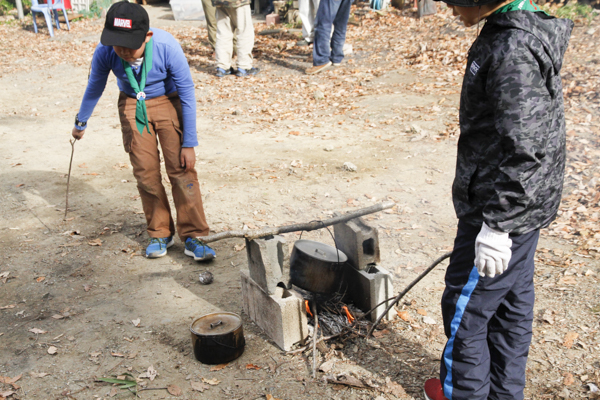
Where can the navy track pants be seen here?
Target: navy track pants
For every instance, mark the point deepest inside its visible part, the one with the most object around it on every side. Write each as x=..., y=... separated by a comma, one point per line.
x=488, y=321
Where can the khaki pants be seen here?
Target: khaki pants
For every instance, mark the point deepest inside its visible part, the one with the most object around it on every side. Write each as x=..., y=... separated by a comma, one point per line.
x=239, y=21
x=211, y=21
x=164, y=116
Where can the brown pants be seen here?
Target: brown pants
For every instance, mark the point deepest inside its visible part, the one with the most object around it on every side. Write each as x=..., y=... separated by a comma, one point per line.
x=164, y=116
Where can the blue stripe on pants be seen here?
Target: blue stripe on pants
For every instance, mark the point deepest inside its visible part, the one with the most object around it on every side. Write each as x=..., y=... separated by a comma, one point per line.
x=489, y=347
x=461, y=305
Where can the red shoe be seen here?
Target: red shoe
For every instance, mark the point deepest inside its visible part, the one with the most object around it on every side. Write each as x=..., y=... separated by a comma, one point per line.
x=433, y=390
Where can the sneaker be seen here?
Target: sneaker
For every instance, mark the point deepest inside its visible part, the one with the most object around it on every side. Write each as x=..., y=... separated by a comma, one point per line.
x=221, y=72
x=246, y=72
x=158, y=247
x=318, y=68
x=303, y=43
x=433, y=390
x=197, y=249
x=336, y=64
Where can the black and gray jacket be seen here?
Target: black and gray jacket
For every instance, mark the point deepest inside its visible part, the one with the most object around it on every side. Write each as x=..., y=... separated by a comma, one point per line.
x=511, y=151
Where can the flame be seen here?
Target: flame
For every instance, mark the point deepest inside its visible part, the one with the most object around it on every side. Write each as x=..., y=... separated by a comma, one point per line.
x=348, y=315
x=308, y=309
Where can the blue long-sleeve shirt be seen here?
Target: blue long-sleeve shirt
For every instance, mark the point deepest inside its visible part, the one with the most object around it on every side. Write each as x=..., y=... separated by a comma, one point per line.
x=170, y=72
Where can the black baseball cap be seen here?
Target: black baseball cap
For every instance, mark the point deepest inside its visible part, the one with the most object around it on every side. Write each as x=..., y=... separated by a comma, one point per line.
x=126, y=25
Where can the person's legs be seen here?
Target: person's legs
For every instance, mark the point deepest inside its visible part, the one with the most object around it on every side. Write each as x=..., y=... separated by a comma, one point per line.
x=224, y=46
x=510, y=330
x=165, y=115
x=211, y=21
x=145, y=161
x=323, y=24
x=340, y=24
x=245, y=36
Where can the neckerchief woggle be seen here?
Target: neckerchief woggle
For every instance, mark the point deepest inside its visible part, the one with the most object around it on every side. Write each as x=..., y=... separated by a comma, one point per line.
x=141, y=115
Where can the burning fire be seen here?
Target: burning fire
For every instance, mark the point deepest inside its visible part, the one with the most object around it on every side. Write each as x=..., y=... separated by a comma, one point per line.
x=308, y=309
x=348, y=315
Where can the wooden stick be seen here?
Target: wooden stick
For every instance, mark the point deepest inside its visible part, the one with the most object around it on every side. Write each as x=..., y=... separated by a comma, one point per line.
x=72, y=141
x=308, y=226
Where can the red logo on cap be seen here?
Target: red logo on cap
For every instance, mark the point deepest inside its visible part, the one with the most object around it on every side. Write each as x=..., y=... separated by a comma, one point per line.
x=122, y=23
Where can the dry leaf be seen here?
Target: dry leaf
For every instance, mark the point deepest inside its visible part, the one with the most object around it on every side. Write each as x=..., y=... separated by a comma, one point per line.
x=82, y=165
x=213, y=381
x=40, y=279
x=569, y=379
x=113, y=391
x=117, y=354
x=38, y=374
x=568, y=280
x=421, y=312
x=7, y=393
x=218, y=367
x=394, y=388
x=95, y=242
x=239, y=247
x=95, y=353
x=570, y=338
x=52, y=350
x=174, y=390
x=252, y=366
x=270, y=397
x=199, y=386
x=151, y=373
x=87, y=287
x=8, y=306
x=58, y=316
x=37, y=331
x=404, y=315
x=136, y=322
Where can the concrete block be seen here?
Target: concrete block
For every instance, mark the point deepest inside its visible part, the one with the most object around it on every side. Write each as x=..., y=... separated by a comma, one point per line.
x=272, y=19
x=281, y=316
x=369, y=287
x=358, y=241
x=268, y=262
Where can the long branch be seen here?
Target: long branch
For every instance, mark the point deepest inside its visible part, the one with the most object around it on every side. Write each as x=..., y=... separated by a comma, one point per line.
x=308, y=226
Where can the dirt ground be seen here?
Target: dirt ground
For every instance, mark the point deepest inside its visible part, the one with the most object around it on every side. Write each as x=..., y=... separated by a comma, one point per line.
x=78, y=302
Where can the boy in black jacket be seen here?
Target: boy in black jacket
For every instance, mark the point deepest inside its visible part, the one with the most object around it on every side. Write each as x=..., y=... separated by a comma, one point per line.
x=508, y=185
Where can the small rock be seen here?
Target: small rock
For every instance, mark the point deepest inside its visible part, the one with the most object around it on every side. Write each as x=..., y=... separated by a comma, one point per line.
x=429, y=321
x=318, y=95
x=348, y=166
x=328, y=148
x=206, y=278
x=237, y=112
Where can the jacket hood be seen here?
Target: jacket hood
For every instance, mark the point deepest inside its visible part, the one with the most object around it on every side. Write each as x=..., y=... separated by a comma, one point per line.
x=554, y=33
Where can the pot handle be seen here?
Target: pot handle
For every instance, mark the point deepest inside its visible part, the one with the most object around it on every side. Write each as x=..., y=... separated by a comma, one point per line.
x=214, y=324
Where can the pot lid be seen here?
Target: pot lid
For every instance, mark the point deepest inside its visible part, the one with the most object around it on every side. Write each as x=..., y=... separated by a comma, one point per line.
x=216, y=324
x=320, y=251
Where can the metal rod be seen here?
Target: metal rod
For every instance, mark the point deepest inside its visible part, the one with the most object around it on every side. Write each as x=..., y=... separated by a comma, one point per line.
x=402, y=293
x=316, y=330
x=72, y=141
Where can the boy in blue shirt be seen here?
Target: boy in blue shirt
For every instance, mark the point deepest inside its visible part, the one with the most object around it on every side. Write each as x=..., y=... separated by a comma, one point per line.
x=157, y=103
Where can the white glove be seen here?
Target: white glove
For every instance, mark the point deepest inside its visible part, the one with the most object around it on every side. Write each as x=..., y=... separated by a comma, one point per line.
x=492, y=251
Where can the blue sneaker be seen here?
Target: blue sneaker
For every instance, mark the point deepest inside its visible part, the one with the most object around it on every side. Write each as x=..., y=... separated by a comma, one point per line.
x=158, y=247
x=221, y=72
x=246, y=72
x=199, y=250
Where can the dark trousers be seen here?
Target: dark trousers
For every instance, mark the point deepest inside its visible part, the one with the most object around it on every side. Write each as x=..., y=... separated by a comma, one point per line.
x=164, y=116
x=331, y=13
x=488, y=321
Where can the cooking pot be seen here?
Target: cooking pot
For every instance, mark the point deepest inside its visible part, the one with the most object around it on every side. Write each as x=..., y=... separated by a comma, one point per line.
x=317, y=267
x=217, y=338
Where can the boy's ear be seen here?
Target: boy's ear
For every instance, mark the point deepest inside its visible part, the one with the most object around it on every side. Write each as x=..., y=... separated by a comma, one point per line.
x=148, y=36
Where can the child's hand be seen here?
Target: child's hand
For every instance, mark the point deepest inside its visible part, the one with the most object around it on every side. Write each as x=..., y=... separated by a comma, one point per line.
x=187, y=158
x=492, y=252
x=77, y=134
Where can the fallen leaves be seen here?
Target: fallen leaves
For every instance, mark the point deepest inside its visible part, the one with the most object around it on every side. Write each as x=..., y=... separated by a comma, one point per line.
x=174, y=390
x=136, y=322
x=37, y=331
x=212, y=382
x=199, y=386
x=570, y=338
x=95, y=242
x=252, y=366
x=218, y=367
x=52, y=350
